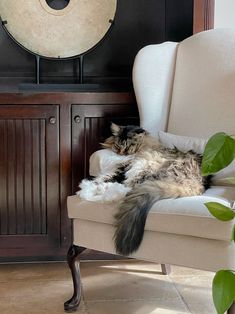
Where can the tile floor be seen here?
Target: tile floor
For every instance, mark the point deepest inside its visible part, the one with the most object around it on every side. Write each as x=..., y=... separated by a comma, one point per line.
x=112, y=287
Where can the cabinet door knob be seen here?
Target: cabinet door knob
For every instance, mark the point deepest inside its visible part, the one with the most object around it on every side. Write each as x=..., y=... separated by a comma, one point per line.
x=77, y=119
x=52, y=120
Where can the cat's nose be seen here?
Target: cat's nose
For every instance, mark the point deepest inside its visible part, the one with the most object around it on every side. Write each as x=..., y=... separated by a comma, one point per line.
x=122, y=151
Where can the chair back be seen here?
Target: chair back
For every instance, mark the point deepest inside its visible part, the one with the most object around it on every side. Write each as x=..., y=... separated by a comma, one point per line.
x=153, y=74
x=196, y=81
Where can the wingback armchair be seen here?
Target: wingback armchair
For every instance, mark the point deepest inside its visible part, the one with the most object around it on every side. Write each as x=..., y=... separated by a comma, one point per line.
x=187, y=89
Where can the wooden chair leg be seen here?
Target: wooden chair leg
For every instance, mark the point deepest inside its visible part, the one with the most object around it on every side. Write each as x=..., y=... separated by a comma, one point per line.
x=166, y=269
x=232, y=309
x=72, y=304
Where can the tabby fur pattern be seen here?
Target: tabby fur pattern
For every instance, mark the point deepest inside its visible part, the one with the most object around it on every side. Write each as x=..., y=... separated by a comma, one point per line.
x=155, y=173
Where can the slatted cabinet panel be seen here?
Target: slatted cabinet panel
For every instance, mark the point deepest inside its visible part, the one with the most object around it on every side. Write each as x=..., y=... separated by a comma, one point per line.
x=22, y=176
x=36, y=170
x=29, y=177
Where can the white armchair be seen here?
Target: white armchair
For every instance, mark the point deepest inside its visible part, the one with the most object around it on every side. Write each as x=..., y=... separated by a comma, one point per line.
x=187, y=89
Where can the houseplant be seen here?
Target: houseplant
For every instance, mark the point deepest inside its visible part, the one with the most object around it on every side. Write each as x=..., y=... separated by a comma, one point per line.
x=219, y=153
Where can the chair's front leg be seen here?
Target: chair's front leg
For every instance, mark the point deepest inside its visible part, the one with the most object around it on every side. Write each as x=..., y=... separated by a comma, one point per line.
x=72, y=304
x=166, y=269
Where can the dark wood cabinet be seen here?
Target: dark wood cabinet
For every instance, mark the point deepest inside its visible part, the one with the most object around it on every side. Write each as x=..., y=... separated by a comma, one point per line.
x=29, y=178
x=46, y=140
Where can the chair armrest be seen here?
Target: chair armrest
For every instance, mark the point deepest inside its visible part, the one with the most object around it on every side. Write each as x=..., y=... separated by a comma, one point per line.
x=105, y=161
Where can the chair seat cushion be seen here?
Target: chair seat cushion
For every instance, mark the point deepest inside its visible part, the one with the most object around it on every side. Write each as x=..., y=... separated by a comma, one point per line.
x=184, y=216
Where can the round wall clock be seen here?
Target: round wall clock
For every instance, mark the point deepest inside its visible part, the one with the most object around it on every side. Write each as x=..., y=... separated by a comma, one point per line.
x=58, y=28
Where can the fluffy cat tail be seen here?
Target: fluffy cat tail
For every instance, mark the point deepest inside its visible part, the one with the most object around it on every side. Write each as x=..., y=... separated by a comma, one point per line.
x=133, y=211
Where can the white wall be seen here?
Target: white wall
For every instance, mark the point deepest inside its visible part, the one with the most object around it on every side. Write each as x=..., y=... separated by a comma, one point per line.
x=224, y=13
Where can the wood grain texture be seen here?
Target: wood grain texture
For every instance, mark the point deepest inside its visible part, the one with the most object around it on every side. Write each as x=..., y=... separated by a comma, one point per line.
x=29, y=172
x=23, y=208
x=36, y=167
x=203, y=19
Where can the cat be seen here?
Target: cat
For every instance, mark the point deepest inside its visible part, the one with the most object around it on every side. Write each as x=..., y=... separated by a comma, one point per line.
x=154, y=173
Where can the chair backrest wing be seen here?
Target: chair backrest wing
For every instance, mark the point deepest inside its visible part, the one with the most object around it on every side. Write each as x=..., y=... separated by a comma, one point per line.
x=203, y=98
x=153, y=74
x=188, y=88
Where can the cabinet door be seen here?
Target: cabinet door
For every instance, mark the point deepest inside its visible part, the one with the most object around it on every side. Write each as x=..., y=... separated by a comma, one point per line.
x=90, y=126
x=29, y=180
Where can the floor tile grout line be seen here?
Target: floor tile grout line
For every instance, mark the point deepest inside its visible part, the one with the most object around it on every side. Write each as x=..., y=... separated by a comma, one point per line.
x=131, y=300
x=180, y=296
x=35, y=281
x=86, y=305
x=84, y=301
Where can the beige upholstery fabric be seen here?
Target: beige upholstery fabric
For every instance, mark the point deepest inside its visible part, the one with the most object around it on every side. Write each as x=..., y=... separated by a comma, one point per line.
x=161, y=247
x=180, y=231
x=153, y=74
x=105, y=161
x=186, y=215
x=204, y=88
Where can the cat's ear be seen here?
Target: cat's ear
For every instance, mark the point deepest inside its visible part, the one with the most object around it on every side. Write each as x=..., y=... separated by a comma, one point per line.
x=108, y=143
x=115, y=129
x=141, y=131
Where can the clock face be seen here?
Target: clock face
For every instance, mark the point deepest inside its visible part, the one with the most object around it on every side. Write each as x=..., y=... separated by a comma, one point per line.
x=58, y=28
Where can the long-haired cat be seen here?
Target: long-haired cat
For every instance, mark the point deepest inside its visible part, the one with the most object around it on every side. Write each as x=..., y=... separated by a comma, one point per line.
x=154, y=173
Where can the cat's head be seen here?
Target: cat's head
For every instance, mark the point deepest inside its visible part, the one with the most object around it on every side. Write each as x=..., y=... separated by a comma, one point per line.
x=125, y=140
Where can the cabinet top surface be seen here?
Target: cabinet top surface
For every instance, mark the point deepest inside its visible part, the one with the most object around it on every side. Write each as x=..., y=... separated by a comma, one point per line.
x=65, y=97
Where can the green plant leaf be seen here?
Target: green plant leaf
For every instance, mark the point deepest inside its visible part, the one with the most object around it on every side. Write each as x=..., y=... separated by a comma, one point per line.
x=233, y=234
x=220, y=211
x=219, y=153
x=223, y=290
